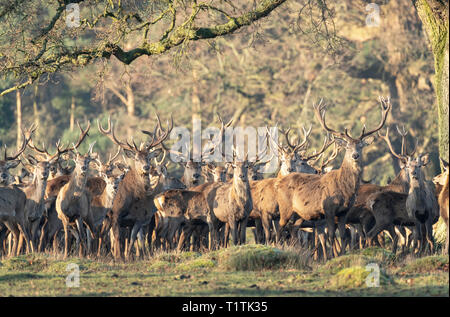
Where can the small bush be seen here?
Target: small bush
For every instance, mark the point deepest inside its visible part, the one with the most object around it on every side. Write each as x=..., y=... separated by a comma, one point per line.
x=426, y=264
x=355, y=277
x=260, y=257
x=199, y=263
x=377, y=254
x=160, y=265
x=335, y=265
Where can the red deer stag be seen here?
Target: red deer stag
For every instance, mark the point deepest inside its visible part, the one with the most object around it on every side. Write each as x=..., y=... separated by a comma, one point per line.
x=330, y=195
x=133, y=206
x=443, y=181
x=13, y=200
x=73, y=201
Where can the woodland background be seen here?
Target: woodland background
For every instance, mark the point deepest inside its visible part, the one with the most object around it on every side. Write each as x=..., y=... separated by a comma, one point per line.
x=269, y=72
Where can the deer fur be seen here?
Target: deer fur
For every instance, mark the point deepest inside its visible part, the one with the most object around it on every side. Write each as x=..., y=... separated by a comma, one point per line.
x=443, y=198
x=330, y=195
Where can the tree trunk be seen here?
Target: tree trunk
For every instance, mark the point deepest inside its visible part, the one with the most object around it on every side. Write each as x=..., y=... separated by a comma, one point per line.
x=434, y=16
x=35, y=105
x=72, y=114
x=19, y=118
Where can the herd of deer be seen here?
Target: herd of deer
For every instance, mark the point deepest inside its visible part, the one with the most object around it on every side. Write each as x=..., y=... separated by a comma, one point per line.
x=134, y=210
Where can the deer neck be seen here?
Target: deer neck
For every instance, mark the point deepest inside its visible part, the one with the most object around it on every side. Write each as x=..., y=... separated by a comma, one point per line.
x=109, y=195
x=38, y=186
x=400, y=183
x=241, y=189
x=350, y=175
x=77, y=183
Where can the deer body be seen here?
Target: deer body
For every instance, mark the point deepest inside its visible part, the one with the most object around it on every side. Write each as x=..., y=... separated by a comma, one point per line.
x=35, y=204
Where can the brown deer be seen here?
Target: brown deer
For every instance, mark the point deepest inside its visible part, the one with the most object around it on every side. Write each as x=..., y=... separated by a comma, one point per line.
x=102, y=203
x=73, y=201
x=35, y=191
x=417, y=207
x=330, y=195
x=443, y=181
x=360, y=215
x=13, y=200
x=265, y=205
x=133, y=206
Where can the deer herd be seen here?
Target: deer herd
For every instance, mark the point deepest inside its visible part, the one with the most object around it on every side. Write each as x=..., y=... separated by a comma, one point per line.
x=97, y=207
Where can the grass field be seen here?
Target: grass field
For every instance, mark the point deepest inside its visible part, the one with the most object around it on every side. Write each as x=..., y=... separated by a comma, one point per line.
x=250, y=270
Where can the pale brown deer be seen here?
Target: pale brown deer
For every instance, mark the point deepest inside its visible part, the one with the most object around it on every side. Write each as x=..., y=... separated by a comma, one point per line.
x=73, y=201
x=442, y=180
x=13, y=200
x=35, y=192
x=330, y=195
x=133, y=206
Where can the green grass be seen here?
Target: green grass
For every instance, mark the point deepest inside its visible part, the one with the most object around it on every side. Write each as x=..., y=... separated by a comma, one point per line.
x=250, y=270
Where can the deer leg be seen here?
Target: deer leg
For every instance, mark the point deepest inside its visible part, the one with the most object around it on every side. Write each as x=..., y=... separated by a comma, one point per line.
x=321, y=235
x=66, y=239
x=394, y=237
x=342, y=234
x=134, y=231
x=14, y=234
x=242, y=226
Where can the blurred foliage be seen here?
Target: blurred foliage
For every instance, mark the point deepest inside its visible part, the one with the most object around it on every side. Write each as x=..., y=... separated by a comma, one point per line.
x=268, y=73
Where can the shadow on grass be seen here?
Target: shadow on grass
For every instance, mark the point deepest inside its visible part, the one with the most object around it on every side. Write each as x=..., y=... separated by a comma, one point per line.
x=16, y=277
x=426, y=291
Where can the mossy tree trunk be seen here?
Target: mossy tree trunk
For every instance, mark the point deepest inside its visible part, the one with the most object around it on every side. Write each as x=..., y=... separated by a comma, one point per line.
x=434, y=16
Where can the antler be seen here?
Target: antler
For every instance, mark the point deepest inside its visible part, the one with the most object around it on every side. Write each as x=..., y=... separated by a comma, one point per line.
x=22, y=148
x=320, y=110
x=331, y=158
x=109, y=132
x=385, y=104
x=386, y=139
x=326, y=144
x=403, y=134
x=296, y=147
x=159, y=133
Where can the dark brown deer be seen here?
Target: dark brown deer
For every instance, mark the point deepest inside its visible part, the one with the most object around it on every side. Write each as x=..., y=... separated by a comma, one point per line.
x=360, y=215
x=443, y=192
x=133, y=206
x=330, y=195
x=417, y=207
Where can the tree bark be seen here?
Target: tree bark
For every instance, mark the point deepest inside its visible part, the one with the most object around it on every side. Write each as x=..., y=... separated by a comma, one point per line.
x=434, y=16
x=19, y=118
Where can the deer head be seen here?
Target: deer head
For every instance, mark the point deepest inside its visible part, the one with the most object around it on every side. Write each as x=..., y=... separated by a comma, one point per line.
x=441, y=178
x=407, y=162
x=143, y=154
x=353, y=146
x=55, y=160
x=41, y=167
x=10, y=162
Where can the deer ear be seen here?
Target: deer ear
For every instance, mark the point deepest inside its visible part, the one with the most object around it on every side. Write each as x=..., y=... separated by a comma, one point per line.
x=369, y=140
x=444, y=163
x=12, y=164
x=327, y=169
x=425, y=159
x=120, y=166
x=32, y=160
x=340, y=142
x=402, y=163
x=129, y=154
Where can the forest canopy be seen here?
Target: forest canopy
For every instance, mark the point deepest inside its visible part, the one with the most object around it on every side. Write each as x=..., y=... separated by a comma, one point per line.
x=259, y=62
